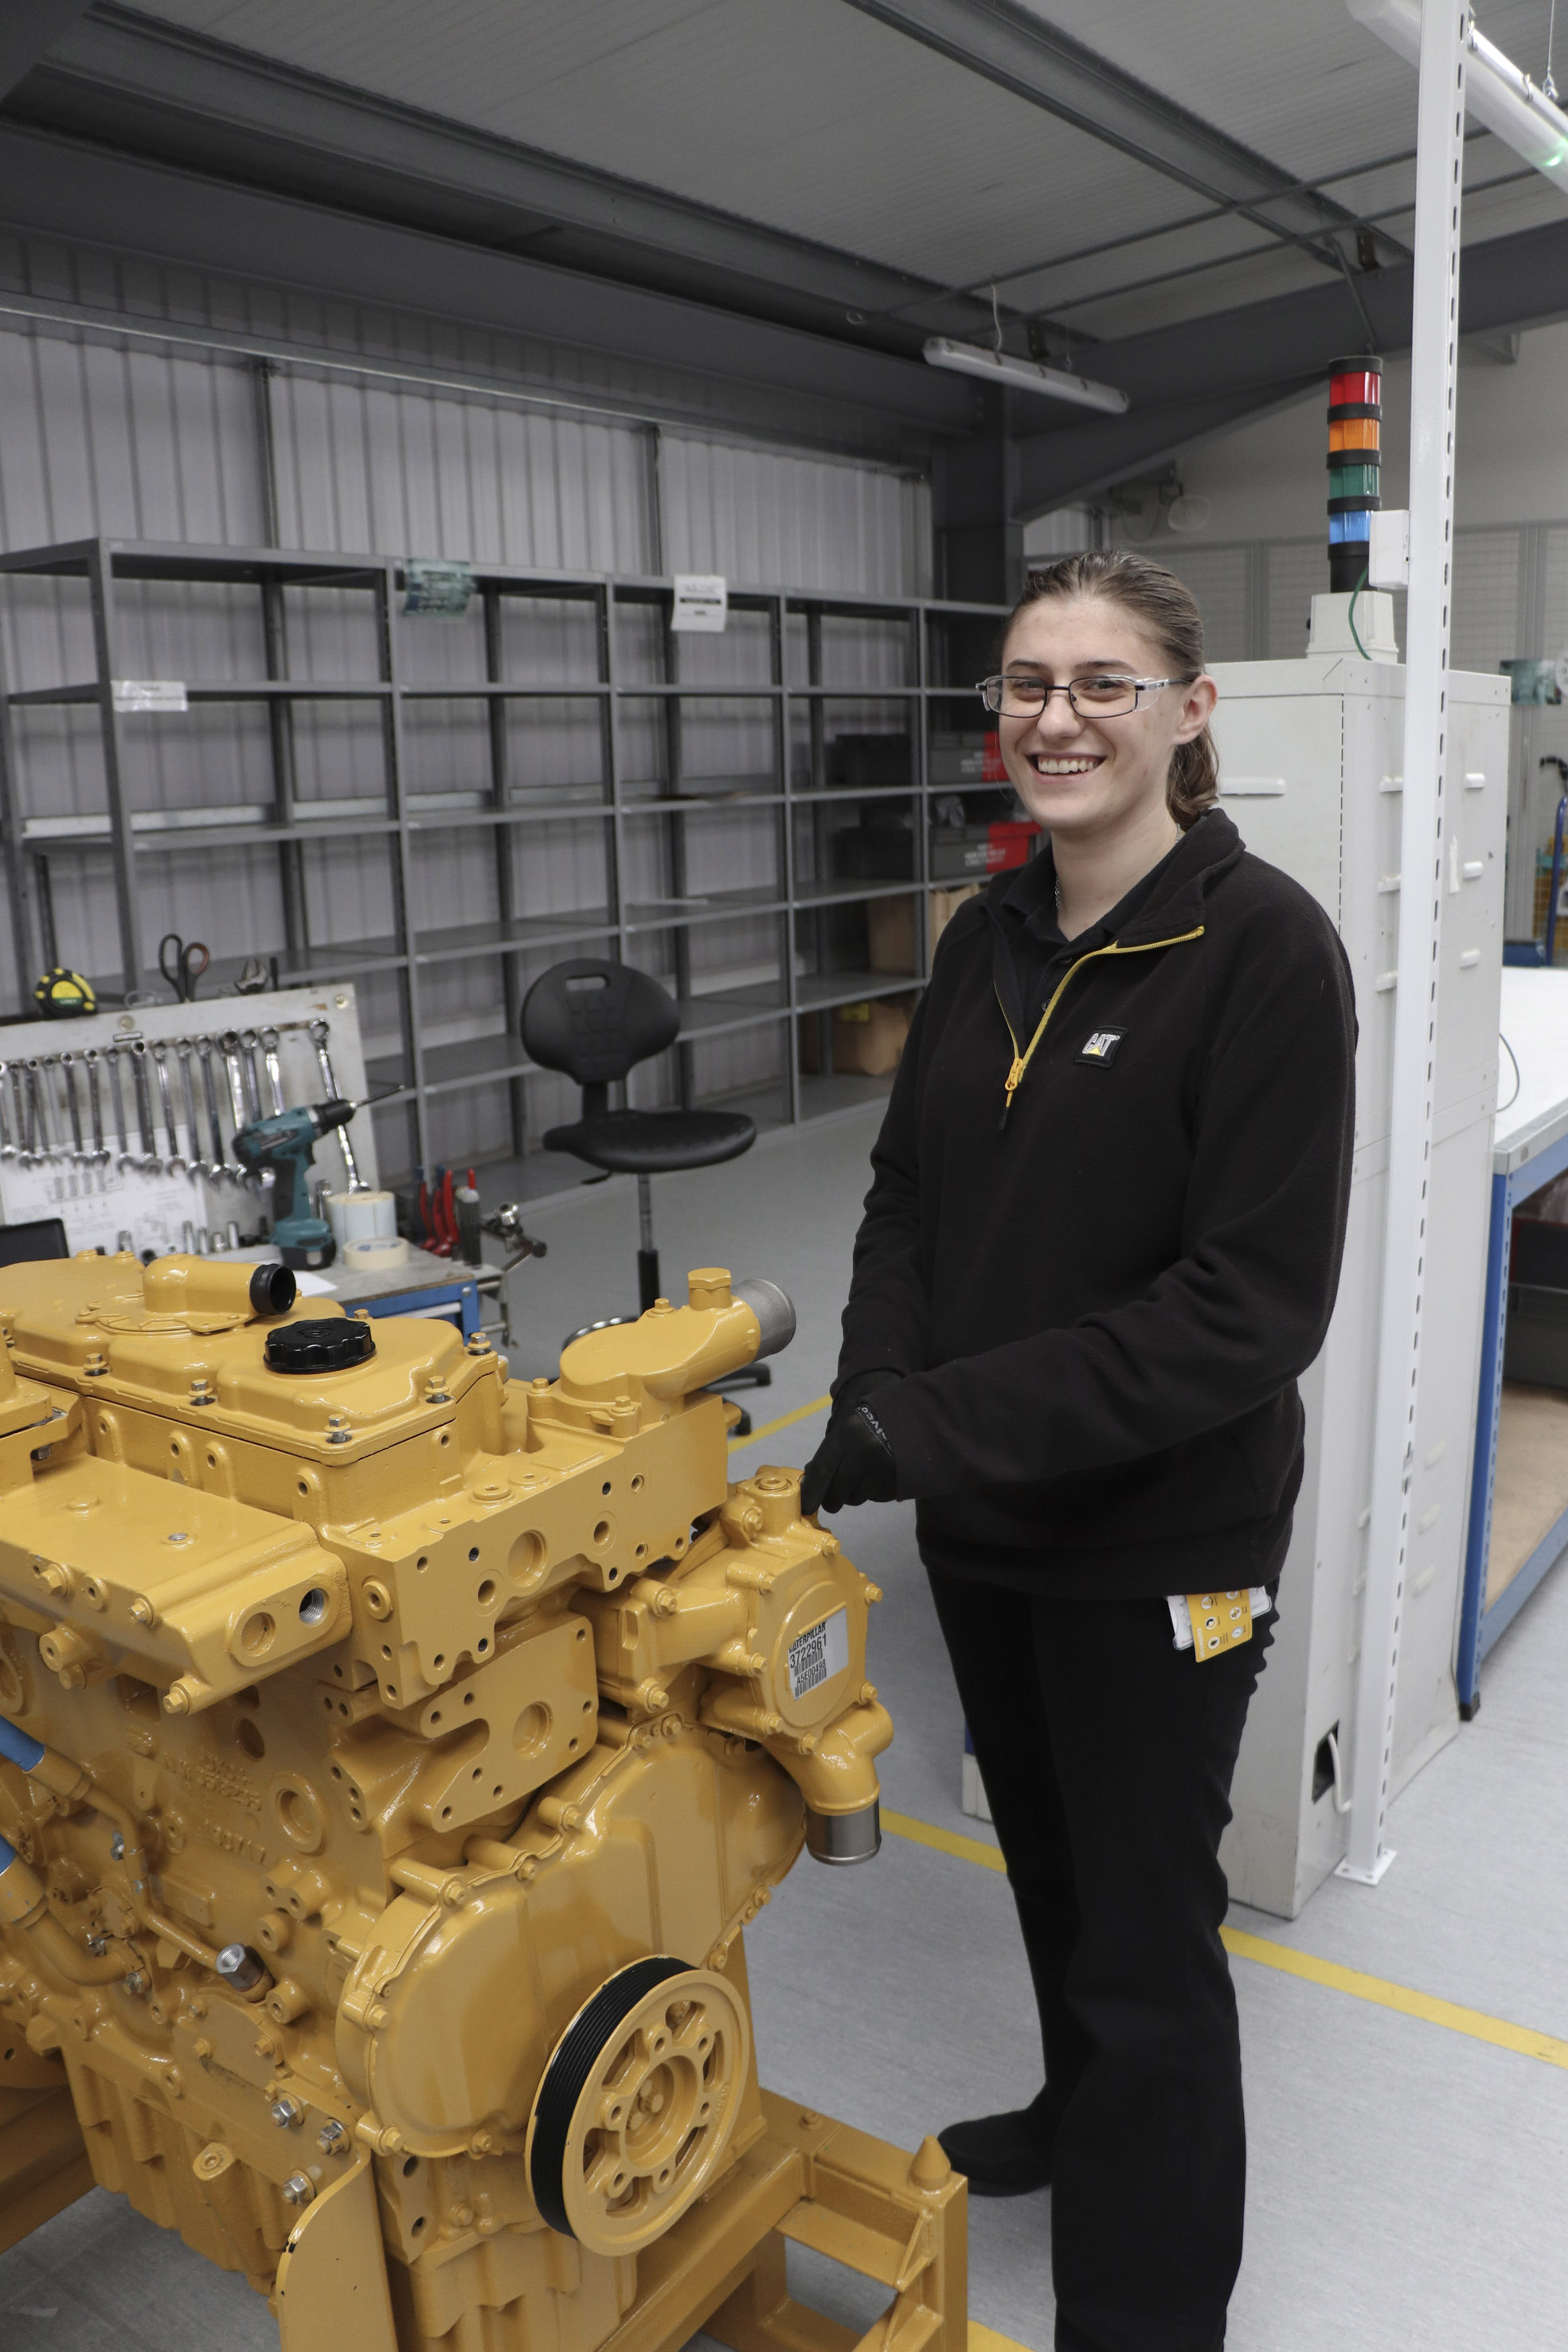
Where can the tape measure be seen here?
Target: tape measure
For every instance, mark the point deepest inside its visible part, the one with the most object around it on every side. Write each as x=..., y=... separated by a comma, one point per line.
x=61, y=995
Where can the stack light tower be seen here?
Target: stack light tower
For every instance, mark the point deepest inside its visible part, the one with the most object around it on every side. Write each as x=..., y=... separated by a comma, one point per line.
x=1354, y=461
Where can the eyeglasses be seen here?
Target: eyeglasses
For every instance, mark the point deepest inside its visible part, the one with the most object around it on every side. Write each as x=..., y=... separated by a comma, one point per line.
x=1095, y=698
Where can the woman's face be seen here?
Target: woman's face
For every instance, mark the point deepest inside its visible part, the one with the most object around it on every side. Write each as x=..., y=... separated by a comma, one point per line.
x=1081, y=776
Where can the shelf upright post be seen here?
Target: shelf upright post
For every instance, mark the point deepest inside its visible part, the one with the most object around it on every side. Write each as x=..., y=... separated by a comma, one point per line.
x=922, y=624
x=610, y=754
x=778, y=624
x=674, y=773
x=818, y=824
x=123, y=845
x=280, y=732
x=12, y=849
x=505, y=880
x=1439, y=171
x=385, y=592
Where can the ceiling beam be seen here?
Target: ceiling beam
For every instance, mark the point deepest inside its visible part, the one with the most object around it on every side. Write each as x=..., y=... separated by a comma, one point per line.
x=1009, y=45
x=83, y=195
x=29, y=31
x=124, y=80
x=1192, y=379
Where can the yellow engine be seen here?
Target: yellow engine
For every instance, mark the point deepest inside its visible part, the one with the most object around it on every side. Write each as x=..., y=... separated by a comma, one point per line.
x=391, y=1755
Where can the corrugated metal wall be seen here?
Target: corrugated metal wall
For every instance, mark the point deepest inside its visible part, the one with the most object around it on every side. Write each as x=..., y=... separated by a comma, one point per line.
x=172, y=443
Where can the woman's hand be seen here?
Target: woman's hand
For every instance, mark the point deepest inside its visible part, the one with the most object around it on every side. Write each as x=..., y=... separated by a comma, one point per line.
x=853, y=1463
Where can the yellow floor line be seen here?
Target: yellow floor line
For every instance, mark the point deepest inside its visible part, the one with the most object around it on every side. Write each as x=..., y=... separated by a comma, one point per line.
x=785, y=1420
x=967, y=1849
x=1548, y=2048
x=985, y=2339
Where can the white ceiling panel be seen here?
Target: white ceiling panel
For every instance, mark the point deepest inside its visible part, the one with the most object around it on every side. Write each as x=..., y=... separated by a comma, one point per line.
x=813, y=119
x=810, y=117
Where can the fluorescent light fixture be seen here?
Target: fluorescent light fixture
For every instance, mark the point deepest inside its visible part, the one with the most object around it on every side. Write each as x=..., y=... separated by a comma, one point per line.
x=1496, y=93
x=1024, y=375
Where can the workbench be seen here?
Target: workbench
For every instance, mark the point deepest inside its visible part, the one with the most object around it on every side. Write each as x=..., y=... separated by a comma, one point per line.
x=1519, y=1486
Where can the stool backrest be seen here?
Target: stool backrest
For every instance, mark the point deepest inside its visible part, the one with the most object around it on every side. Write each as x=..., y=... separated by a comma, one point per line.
x=594, y=1020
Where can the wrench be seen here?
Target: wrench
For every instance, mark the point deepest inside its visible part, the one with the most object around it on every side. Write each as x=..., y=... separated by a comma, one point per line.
x=8, y=1148
x=40, y=1142
x=229, y=1046
x=220, y=1161
x=99, y=1152
x=199, y=1166
x=68, y=1075
x=124, y=1157
x=324, y=1063
x=275, y=1105
x=247, y=1044
x=176, y=1163
x=150, y=1160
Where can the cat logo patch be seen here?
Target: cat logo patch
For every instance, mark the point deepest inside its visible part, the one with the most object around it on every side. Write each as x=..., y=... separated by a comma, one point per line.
x=1101, y=1046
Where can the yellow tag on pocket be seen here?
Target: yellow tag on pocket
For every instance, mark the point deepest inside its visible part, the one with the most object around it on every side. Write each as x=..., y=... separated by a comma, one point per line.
x=1221, y=1620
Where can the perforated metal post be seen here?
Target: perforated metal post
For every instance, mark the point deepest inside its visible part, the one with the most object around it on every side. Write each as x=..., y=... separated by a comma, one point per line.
x=1438, y=169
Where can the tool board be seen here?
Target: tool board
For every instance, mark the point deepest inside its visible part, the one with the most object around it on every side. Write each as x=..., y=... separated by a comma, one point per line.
x=106, y=1123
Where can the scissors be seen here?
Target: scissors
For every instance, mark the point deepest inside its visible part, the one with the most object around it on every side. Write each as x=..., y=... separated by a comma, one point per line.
x=183, y=966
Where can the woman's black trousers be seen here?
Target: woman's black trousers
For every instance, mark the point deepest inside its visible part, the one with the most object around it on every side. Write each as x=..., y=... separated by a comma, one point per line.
x=1107, y=1755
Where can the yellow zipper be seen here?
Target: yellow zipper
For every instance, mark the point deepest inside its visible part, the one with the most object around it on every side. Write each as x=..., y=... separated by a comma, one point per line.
x=1021, y=1060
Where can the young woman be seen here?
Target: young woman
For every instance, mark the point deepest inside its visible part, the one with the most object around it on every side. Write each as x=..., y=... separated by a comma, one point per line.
x=1101, y=1246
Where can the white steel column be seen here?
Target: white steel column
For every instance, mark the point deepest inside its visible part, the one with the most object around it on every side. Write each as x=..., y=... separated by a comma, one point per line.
x=1439, y=168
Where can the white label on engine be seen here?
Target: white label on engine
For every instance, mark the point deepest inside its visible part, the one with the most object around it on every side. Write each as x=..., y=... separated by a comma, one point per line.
x=819, y=1654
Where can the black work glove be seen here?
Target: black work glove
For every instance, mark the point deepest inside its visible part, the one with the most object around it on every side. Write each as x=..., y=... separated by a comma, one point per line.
x=853, y=1463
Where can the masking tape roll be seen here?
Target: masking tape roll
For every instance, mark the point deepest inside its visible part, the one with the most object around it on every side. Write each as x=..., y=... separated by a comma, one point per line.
x=361, y=1216
x=378, y=1256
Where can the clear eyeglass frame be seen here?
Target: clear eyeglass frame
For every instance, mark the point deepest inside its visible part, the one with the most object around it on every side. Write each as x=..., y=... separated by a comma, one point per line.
x=1030, y=696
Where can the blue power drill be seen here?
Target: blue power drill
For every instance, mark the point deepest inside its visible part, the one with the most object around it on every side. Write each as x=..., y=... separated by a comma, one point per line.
x=286, y=1143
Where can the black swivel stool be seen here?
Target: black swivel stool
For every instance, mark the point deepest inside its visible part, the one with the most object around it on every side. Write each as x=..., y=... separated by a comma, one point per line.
x=594, y=1021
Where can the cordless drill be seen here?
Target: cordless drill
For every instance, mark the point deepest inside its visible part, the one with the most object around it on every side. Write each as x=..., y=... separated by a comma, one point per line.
x=286, y=1143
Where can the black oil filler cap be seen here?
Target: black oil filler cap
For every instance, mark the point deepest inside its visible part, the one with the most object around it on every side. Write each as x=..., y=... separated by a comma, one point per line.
x=326, y=1343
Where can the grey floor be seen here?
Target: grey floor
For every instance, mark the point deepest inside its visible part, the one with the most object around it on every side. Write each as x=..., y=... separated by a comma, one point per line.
x=1409, y=2186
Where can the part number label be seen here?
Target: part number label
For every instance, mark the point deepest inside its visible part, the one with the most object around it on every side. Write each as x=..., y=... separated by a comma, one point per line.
x=819, y=1654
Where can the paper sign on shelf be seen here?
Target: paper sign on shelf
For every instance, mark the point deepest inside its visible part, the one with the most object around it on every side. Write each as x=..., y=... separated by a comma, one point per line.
x=149, y=694
x=435, y=590
x=701, y=603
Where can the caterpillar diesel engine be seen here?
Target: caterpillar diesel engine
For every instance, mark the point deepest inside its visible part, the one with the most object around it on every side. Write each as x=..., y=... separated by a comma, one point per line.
x=391, y=1755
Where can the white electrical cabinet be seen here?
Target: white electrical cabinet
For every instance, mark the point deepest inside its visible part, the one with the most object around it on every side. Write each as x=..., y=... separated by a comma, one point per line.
x=1310, y=754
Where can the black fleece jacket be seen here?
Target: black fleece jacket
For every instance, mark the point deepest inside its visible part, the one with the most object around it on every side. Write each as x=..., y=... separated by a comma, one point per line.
x=1081, y=1327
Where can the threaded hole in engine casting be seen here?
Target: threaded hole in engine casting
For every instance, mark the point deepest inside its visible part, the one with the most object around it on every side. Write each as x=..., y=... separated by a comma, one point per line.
x=257, y=1634
x=473, y=1551
x=637, y=1483
x=313, y=1606
x=423, y=1560
x=526, y=1561
x=601, y=1532
x=487, y=1592
x=481, y=1645
x=248, y=1738
x=409, y=2165
x=531, y=1733
x=299, y=1815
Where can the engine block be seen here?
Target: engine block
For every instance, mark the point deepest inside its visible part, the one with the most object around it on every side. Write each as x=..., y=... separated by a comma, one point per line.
x=391, y=1754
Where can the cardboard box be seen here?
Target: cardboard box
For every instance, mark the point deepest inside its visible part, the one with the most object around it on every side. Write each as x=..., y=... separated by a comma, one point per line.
x=868, y=1038
x=890, y=923
x=944, y=905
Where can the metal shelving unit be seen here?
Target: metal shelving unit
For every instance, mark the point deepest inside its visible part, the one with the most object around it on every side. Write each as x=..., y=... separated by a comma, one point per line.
x=637, y=688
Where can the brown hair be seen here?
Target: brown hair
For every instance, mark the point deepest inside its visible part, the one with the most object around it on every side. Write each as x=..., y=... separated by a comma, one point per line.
x=1167, y=610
